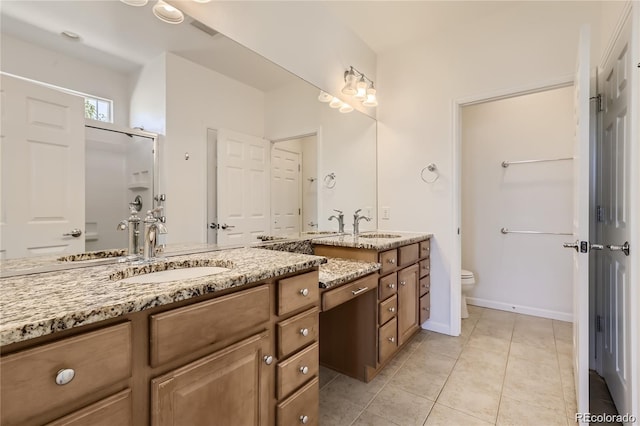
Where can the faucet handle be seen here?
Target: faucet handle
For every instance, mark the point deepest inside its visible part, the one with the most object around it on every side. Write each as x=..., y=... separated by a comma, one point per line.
x=358, y=211
x=337, y=211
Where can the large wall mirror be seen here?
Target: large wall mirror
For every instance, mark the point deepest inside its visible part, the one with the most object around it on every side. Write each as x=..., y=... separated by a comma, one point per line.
x=207, y=97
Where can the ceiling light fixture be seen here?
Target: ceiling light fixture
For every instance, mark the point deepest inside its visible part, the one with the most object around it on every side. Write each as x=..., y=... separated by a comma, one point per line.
x=70, y=35
x=360, y=87
x=136, y=3
x=167, y=13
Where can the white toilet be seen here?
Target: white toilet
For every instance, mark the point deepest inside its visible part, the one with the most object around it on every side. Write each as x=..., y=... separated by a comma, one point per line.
x=467, y=281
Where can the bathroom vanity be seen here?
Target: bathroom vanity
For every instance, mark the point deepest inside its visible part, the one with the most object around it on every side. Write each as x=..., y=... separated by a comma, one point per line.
x=83, y=347
x=360, y=337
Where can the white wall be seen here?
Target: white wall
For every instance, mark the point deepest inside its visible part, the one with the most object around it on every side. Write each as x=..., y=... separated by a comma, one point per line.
x=303, y=37
x=149, y=97
x=197, y=99
x=529, y=274
x=37, y=63
x=530, y=43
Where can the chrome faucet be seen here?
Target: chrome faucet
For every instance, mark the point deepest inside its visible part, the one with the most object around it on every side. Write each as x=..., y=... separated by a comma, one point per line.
x=356, y=221
x=133, y=225
x=153, y=227
x=340, y=219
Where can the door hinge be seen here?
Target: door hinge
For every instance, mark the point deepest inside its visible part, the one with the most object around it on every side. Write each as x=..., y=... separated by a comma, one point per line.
x=599, y=214
x=299, y=168
x=598, y=323
x=598, y=101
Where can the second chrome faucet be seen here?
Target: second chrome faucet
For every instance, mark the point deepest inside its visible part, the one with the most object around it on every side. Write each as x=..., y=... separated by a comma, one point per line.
x=356, y=221
x=340, y=219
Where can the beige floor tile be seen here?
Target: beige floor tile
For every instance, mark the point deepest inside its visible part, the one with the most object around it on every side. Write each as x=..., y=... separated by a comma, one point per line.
x=354, y=391
x=486, y=378
x=441, y=415
x=494, y=327
x=424, y=374
x=518, y=413
x=369, y=419
x=326, y=376
x=336, y=411
x=489, y=343
x=539, y=338
x=467, y=327
x=533, y=383
x=533, y=353
x=399, y=406
x=563, y=347
x=475, y=311
x=476, y=399
x=477, y=359
x=563, y=330
x=500, y=315
x=445, y=345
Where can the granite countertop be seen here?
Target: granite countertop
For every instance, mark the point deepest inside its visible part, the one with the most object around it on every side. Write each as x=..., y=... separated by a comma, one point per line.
x=41, y=304
x=393, y=240
x=339, y=271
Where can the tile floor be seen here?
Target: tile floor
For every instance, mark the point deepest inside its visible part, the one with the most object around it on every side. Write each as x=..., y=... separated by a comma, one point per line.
x=505, y=369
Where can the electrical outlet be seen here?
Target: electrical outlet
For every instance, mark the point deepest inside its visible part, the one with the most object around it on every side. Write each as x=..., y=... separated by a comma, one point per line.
x=386, y=213
x=368, y=211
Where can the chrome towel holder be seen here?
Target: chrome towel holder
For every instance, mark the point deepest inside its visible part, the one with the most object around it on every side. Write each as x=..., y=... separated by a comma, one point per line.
x=431, y=167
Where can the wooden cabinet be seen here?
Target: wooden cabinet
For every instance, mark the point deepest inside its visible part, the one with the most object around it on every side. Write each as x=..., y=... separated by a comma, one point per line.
x=228, y=387
x=402, y=279
x=114, y=410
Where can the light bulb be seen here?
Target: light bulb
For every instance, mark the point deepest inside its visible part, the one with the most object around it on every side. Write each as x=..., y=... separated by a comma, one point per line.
x=346, y=108
x=361, y=89
x=371, y=100
x=324, y=96
x=350, y=83
x=167, y=13
x=335, y=103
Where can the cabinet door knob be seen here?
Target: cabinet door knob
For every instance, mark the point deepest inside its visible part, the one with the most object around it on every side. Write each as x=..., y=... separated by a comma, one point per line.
x=392, y=261
x=392, y=309
x=304, y=370
x=392, y=285
x=425, y=309
x=304, y=332
x=304, y=292
x=304, y=420
x=268, y=359
x=403, y=283
x=392, y=339
x=64, y=376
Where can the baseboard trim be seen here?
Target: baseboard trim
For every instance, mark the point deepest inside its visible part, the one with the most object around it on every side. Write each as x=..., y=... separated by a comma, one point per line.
x=438, y=327
x=520, y=309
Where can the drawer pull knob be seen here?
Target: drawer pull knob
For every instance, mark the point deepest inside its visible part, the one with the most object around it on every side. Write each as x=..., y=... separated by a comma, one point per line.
x=64, y=376
x=392, y=309
x=403, y=283
x=304, y=370
x=425, y=309
x=268, y=359
x=304, y=292
x=392, y=261
x=360, y=290
x=304, y=332
x=304, y=420
x=392, y=339
x=392, y=285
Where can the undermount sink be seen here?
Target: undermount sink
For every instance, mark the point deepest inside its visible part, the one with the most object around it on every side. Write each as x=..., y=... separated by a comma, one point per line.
x=174, y=275
x=379, y=236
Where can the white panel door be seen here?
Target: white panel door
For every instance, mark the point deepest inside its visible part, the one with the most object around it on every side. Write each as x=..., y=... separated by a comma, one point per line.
x=615, y=189
x=42, y=187
x=243, y=187
x=285, y=191
x=581, y=225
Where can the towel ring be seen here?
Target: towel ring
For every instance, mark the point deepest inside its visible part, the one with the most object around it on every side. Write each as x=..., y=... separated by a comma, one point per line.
x=330, y=180
x=433, y=169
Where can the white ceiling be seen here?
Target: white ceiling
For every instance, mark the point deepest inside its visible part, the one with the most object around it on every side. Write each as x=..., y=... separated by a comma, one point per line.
x=123, y=37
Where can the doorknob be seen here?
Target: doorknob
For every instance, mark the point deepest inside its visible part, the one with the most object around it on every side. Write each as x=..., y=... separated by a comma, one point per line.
x=225, y=226
x=214, y=225
x=73, y=233
x=623, y=248
x=575, y=245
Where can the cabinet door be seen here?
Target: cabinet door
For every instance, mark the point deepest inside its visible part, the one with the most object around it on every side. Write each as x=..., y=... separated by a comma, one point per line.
x=229, y=387
x=407, y=302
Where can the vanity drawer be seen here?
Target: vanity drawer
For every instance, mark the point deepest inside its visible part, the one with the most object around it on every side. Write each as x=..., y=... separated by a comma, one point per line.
x=387, y=339
x=425, y=267
x=387, y=309
x=297, y=292
x=295, y=371
x=425, y=248
x=388, y=260
x=425, y=285
x=425, y=307
x=114, y=410
x=181, y=331
x=297, y=332
x=388, y=286
x=408, y=254
x=302, y=407
x=28, y=379
x=342, y=294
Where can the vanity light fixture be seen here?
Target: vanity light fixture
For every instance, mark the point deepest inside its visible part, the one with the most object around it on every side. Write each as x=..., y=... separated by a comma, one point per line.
x=344, y=108
x=360, y=87
x=335, y=103
x=167, y=13
x=137, y=3
x=324, y=96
